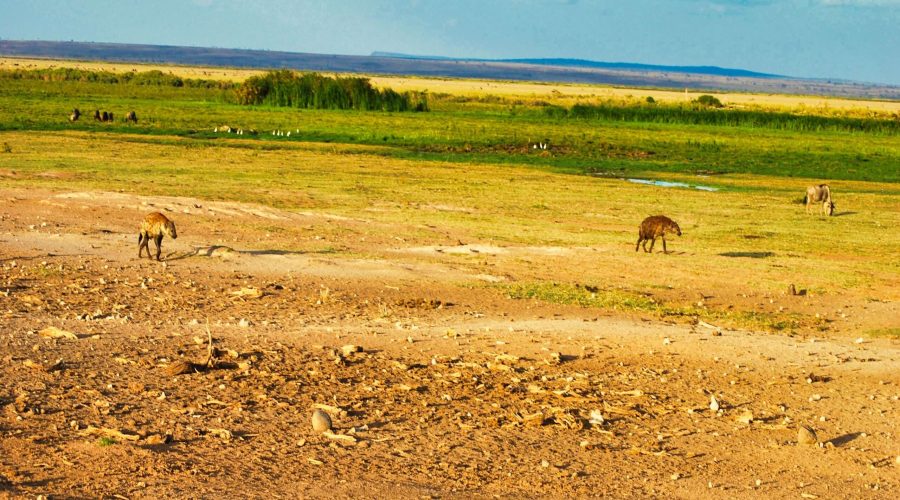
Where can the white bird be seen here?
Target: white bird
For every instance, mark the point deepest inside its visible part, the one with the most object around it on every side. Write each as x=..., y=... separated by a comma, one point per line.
x=289, y=133
x=216, y=130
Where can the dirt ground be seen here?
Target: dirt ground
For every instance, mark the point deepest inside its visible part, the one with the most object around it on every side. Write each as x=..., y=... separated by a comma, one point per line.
x=436, y=384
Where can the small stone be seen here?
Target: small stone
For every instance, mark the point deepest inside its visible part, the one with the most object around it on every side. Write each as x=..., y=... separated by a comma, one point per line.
x=746, y=417
x=815, y=397
x=758, y=483
x=350, y=349
x=714, y=404
x=806, y=435
x=667, y=341
x=321, y=422
x=545, y=464
x=675, y=477
x=180, y=367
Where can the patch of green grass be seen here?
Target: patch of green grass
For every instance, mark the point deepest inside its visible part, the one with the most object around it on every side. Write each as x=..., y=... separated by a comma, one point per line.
x=585, y=296
x=631, y=301
x=106, y=441
x=885, y=333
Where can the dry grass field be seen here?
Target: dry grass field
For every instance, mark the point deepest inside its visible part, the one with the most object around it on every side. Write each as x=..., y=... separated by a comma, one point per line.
x=473, y=329
x=555, y=93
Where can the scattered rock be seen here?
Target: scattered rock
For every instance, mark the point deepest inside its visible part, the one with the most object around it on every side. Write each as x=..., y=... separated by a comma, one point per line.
x=321, y=421
x=248, y=293
x=745, y=418
x=180, y=367
x=224, y=434
x=714, y=404
x=349, y=349
x=51, y=332
x=806, y=435
x=338, y=437
x=158, y=439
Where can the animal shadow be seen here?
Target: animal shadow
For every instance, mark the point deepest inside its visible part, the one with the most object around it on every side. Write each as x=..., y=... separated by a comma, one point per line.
x=271, y=252
x=751, y=255
x=844, y=439
x=841, y=214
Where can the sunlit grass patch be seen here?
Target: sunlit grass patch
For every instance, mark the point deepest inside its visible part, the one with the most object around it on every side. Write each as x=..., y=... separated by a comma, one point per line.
x=625, y=300
x=885, y=333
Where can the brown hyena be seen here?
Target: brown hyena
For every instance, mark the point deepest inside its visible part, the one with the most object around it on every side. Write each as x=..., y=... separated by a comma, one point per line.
x=656, y=227
x=155, y=226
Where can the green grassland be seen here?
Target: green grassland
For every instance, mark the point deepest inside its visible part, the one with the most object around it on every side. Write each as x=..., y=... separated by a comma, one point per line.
x=636, y=141
x=473, y=158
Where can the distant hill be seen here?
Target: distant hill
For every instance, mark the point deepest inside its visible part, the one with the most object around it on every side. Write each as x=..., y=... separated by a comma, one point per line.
x=541, y=70
x=583, y=63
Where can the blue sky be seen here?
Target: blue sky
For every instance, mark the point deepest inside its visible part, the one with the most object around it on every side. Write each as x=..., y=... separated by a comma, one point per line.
x=842, y=39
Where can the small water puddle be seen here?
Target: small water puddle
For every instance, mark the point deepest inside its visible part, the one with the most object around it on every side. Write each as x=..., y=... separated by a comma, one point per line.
x=673, y=184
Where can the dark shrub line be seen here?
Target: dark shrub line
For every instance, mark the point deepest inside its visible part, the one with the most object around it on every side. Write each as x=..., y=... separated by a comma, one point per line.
x=153, y=77
x=700, y=114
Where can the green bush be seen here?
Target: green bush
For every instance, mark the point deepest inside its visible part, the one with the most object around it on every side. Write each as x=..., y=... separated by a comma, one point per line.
x=709, y=101
x=314, y=91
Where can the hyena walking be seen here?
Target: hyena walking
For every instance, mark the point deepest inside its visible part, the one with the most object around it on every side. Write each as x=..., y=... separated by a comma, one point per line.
x=155, y=226
x=656, y=227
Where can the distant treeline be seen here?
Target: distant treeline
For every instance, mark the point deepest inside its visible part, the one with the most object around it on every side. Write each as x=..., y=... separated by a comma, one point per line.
x=314, y=91
x=694, y=114
x=153, y=77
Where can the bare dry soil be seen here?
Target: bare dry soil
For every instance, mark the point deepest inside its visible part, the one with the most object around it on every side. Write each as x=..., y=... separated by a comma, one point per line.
x=437, y=385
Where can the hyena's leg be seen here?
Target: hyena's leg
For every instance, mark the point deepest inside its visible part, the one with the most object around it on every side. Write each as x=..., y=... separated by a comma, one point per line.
x=652, y=242
x=665, y=250
x=143, y=241
x=638, y=244
x=158, y=246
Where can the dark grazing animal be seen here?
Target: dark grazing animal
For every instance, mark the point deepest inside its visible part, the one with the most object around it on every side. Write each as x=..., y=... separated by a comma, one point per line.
x=104, y=116
x=131, y=117
x=656, y=227
x=97, y=115
x=820, y=193
x=155, y=226
x=75, y=114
